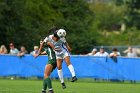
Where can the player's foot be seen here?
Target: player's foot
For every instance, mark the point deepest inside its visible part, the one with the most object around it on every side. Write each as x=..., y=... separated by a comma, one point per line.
x=63, y=85
x=74, y=79
x=50, y=91
x=43, y=91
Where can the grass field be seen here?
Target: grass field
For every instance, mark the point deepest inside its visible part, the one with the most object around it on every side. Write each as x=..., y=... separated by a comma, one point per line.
x=35, y=86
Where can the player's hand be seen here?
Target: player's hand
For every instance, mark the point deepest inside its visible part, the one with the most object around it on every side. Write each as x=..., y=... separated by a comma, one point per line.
x=36, y=55
x=69, y=49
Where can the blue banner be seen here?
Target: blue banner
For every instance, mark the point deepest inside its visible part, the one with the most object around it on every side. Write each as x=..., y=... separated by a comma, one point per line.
x=85, y=67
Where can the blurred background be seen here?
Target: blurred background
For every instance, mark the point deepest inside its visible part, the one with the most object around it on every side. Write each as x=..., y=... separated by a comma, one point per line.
x=89, y=23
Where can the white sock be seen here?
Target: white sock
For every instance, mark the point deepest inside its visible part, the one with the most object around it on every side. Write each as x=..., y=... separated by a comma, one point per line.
x=51, y=89
x=71, y=70
x=60, y=74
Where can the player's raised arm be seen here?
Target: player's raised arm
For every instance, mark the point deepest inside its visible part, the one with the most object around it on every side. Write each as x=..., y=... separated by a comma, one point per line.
x=39, y=51
x=66, y=43
x=41, y=46
x=68, y=47
x=51, y=45
x=46, y=40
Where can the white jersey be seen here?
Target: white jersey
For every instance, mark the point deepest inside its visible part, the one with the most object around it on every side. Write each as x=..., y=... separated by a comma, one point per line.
x=101, y=54
x=133, y=54
x=60, y=44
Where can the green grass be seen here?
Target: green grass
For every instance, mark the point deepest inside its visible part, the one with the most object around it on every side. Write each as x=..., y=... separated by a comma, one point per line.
x=35, y=86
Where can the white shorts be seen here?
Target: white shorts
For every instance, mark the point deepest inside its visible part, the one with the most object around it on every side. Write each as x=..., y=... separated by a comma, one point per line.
x=61, y=55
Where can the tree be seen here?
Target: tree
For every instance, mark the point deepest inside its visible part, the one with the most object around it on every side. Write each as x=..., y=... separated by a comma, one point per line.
x=133, y=15
x=25, y=22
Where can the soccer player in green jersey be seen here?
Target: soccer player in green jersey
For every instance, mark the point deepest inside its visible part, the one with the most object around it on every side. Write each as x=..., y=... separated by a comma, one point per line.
x=51, y=65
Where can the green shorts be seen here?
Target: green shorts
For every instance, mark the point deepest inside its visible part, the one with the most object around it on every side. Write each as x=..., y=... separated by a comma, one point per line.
x=53, y=63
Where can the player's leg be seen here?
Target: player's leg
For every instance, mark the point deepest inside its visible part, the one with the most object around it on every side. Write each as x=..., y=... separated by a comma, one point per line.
x=47, y=80
x=71, y=68
x=60, y=72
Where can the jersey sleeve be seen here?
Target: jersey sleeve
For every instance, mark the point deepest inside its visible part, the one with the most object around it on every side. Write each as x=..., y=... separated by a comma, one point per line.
x=46, y=39
x=63, y=40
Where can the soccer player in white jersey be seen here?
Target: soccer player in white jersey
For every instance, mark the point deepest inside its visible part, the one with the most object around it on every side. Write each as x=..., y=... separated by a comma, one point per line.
x=62, y=52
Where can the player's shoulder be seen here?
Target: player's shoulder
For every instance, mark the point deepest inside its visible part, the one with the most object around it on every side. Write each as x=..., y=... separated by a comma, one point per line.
x=50, y=36
x=63, y=39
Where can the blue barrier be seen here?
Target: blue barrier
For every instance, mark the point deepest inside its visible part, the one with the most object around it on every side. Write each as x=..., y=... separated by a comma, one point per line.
x=85, y=67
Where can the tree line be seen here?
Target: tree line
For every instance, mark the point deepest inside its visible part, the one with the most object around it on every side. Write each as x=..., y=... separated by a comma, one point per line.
x=25, y=22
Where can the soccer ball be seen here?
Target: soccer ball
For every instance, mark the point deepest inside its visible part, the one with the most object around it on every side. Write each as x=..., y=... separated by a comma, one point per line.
x=61, y=33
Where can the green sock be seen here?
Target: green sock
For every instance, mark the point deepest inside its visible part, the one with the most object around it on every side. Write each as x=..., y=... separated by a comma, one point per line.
x=49, y=83
x=45, y=84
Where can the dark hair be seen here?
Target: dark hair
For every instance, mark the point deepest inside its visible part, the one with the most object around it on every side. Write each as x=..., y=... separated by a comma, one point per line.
x=11, y=44
x=55, y=34
x=42, y=39
x=53, y=29
x=114, y=49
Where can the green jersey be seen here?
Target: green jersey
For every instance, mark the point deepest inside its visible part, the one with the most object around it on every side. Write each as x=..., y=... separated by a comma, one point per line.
x=51, y=56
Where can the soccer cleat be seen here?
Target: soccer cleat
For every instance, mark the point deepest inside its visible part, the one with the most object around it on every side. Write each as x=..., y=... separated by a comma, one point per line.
x=50, y=91
x=63, y=85
x=74, y=79
x=43, y=91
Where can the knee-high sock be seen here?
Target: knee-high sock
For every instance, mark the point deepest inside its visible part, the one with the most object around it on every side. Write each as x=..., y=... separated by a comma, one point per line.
x=60, y=74
x=71, y=70
x=44, y=84
x=49, y=83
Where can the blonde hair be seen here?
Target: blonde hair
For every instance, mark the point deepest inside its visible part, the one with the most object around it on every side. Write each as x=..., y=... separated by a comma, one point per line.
x=36, y=47
x=3, y=49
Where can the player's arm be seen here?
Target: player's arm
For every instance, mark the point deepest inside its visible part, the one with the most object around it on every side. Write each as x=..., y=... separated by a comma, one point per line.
x=68, y=47
x=51, y=45
x=39, y=51
x=41, y=46
x=46, y=40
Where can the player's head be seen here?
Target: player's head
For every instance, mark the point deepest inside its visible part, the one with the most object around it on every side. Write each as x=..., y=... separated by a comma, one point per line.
x=55, y=34
x=53, y=31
